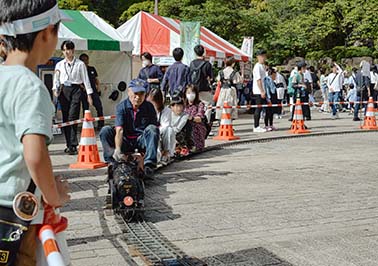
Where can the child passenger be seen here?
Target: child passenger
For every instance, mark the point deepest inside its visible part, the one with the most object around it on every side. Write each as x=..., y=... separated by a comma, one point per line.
x=196, y=112
x=164, y=116
x=181, y=126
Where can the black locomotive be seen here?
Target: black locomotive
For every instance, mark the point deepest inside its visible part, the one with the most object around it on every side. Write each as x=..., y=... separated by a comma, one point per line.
x=126, y=187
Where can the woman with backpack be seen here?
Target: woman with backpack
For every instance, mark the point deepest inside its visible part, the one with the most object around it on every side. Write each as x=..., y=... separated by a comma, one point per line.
x=230, y=80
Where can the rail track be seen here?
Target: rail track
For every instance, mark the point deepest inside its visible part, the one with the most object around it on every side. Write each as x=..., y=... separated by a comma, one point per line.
x=146, y=242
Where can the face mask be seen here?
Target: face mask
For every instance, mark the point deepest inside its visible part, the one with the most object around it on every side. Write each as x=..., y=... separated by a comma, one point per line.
x=145, y=63
x=191, y=97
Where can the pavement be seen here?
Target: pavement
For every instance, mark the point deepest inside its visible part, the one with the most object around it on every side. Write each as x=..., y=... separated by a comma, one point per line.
x=306, y=201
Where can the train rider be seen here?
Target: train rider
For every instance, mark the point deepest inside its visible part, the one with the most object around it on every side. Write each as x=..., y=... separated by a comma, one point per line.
x=72, y=74
x=136, y=127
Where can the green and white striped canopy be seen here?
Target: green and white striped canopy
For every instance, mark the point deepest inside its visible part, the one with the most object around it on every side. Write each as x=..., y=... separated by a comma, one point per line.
x=90, y=32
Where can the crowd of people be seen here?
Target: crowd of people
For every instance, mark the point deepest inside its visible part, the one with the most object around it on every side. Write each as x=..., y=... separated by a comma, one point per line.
x=167, y=112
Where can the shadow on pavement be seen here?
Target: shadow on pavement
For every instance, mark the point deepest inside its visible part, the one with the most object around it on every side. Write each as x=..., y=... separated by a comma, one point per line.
x=248, y=257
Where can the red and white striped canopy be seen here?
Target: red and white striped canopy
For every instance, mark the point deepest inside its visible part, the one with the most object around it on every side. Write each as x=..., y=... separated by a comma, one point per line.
x=160, y=35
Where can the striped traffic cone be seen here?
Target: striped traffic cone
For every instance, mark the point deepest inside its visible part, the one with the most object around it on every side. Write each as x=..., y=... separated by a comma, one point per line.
x=370, y=122
x=298, y=126
x=226, y=131
x=89, y=157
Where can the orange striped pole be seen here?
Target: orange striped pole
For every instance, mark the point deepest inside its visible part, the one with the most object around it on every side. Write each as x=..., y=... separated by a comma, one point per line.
x=50, y=246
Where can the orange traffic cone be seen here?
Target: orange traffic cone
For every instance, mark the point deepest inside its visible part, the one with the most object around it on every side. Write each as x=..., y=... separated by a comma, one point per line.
x=89, y=157
x=226, y=131
x=298, y=126
x=370, y=122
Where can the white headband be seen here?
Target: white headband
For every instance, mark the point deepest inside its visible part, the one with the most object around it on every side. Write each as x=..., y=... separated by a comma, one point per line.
x=32, y=24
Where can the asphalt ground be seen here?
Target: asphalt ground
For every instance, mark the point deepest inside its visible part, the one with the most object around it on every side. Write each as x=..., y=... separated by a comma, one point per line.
x=306, y=201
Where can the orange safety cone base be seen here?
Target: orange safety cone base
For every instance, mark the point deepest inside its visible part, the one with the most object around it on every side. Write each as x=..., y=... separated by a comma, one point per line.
x=298, y=127
x=226, y=133
x=369, y=124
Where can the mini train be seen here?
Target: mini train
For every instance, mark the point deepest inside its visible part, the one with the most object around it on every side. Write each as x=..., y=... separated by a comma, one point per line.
x=126, y=187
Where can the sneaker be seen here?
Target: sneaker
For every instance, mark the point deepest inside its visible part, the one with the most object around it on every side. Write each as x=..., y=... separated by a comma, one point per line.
x=149, y=171
x=274, y=128
x=66, y=150
x=259, y=130
x=72, y=151
x=356, y=119
x=165, y=160
x=268, y=129
x=276, y=116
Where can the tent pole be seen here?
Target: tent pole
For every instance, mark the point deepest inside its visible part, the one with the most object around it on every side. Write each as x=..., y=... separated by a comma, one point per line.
x=156, y=7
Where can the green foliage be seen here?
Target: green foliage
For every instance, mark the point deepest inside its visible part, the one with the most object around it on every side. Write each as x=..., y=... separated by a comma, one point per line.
x=312, y=28
x=147, y=6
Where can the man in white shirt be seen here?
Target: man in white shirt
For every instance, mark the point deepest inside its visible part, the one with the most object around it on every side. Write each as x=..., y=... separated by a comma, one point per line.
x=335, y=82
x=71, y=74
x=259, y=75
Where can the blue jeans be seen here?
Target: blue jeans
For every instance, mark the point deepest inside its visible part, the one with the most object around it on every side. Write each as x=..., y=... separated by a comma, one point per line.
x=148, y=141
x=357, y=106
x=334, y=97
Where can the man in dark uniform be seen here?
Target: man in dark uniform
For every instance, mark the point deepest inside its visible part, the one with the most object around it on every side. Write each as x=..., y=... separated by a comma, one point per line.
x=95, y=84
x=71, y=76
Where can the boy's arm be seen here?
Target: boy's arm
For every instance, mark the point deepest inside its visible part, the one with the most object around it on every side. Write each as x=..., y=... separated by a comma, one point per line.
x=55, y=193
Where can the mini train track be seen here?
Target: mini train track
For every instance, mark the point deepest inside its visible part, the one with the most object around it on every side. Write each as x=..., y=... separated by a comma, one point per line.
x=145, y=241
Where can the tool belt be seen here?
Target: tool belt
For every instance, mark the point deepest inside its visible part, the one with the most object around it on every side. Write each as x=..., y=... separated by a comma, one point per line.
x=12, y=231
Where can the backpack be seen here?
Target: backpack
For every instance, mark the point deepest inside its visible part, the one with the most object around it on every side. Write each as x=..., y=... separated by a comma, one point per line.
x=195, y=73
x=227, y=83
x=292, y=80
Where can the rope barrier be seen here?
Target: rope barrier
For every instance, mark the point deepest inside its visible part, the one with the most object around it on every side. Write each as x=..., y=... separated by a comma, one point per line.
x=79, y=121
x=111, y=117
x=210, y=107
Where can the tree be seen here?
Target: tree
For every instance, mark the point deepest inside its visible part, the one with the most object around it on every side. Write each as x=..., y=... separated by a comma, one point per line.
x=285, y=28
x=147, y=6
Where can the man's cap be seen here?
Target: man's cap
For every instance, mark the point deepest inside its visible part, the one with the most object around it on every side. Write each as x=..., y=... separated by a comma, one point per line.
x=177, y=100
x=138, y=85
x=301, y=64
x=261, y=52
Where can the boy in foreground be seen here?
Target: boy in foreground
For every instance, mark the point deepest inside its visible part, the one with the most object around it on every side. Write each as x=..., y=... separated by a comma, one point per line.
x=29, y=31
